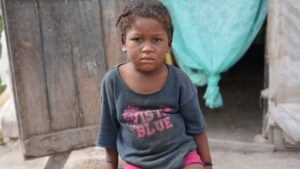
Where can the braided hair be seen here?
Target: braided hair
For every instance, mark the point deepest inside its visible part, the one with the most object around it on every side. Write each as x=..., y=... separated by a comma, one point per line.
x=144, y=8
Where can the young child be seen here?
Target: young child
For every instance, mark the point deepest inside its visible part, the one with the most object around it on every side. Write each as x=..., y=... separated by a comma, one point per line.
x=150, y=112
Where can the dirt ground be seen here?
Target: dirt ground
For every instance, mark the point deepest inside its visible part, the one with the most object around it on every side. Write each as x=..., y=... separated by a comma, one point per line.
x=223, y=158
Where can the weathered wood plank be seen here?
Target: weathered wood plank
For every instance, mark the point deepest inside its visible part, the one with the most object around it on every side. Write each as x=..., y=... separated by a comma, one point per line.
x=89, y=57
x=59, y=63
x=112, y=39
x=290, y=16
x=57, y=161
x=285, y=60
x=26, y=58
x=60, y=141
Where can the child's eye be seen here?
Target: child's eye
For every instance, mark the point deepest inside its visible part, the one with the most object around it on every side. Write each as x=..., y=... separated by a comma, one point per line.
x=157, y=39
x=137, y=39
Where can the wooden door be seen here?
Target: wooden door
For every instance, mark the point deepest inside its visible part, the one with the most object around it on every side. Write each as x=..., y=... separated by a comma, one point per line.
x=59, y=51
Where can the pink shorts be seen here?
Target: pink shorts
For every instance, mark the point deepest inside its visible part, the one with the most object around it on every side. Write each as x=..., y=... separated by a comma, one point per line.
x=190, y=158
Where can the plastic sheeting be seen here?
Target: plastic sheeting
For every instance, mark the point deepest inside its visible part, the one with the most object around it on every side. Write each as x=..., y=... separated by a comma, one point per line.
x=287, y=116
x=211, y=35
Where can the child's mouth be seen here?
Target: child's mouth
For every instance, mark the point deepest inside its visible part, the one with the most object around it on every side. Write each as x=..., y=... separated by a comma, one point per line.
x=147, y=59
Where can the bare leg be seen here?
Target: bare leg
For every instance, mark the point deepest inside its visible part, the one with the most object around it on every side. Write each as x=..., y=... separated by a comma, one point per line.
x=194, y=166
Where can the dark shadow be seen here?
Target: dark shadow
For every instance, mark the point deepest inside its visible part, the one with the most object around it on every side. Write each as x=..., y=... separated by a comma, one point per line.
x=240, y=118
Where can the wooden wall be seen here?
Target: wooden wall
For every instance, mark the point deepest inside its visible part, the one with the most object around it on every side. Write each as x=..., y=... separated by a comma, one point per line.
x=283, y=56
x=283, y=49
x=59, y=51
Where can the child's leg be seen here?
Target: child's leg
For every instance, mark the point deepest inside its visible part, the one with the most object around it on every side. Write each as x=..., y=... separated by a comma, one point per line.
x=130, y=166
x=194, y=166
x=192, y=160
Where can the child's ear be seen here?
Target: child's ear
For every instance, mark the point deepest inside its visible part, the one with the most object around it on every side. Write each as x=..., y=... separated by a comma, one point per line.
x=169, y=50
x=124, y=49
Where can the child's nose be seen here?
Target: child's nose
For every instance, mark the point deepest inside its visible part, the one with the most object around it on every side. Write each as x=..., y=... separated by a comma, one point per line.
x=147, y=47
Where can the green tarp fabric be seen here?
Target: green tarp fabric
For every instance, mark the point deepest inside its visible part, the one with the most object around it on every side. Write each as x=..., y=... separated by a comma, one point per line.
x=212, y=35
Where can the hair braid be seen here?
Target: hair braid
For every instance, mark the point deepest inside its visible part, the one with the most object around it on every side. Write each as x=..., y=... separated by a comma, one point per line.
x=144, y=8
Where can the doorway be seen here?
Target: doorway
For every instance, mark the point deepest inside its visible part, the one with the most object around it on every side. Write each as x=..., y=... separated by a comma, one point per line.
x=241, y=117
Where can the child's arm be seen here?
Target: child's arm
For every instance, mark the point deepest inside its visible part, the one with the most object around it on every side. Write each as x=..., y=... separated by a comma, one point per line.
x=112, y=158
x=202, y=147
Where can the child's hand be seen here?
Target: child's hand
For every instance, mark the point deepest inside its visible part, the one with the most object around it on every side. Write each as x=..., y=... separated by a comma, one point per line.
x=111, y=166
x=208, y=165
x=111, y=159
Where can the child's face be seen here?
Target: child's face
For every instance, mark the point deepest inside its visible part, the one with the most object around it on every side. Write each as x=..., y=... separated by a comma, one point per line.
x=146, y=44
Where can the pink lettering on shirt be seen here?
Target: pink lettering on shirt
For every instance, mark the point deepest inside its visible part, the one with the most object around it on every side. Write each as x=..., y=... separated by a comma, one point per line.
x=147, y=122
